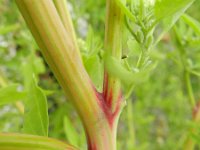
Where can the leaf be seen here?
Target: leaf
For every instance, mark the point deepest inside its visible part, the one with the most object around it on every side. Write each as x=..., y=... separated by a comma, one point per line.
x=70, y=132
x=194, y=24
x=30, y=142
x=126, y=11
x=91, y=58
x=8, y=28
x=95, y=69
x=167, y=8
x=168, y=12
x=36, y=111
x=48, y=92
x=11, y=93
x=115, y=68
x=32, y=65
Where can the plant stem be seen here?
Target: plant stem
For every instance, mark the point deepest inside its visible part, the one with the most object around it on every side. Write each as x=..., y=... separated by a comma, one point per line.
x=131, y=137
x=113, y=46
x=61, y=6
x=189, y=89
x=189, y=143
x=62, y=55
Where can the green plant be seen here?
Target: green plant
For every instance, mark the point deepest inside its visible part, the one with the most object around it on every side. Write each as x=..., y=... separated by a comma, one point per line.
x=52, y=28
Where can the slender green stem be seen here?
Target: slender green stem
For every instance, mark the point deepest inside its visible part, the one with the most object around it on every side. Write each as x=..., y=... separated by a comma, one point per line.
x=131, y=130
x=140, y=60
x=186, y=70
x=190, y=143
x=125, y=10
x=113, y=45
x=142, y=9
x=189, y=89
x=127, y=23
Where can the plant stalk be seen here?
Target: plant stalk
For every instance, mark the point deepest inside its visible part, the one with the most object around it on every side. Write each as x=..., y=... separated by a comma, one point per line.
x=59, y=48
x=113, y=46
x=61, y=6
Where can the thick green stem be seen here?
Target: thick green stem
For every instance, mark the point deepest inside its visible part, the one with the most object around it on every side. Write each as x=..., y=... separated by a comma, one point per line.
x=61, y=6
x=61, y=53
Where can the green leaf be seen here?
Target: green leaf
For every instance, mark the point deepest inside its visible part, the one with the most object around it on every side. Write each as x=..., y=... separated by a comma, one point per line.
x=126, y=11
x=194, y=24
x=11, y=93
x=32, y=65
x=168, y=12
x=36, y=111
x=70, y=132
x=166, y=8
x=95, y=69
x=8, y=28
x=30, y=142
x=115, y=68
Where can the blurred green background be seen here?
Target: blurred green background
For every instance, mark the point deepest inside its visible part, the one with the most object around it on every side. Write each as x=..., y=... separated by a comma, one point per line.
x=158, y=114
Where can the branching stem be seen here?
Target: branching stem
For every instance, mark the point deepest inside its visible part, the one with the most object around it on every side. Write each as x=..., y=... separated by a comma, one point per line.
x=52, y=29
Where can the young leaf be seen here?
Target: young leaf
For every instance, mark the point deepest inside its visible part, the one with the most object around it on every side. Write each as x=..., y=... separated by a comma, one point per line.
x=168, y=12
x=116, y=69
x=70, y=132
x=8, y=29
x=30, y=142
x=32, y=65
x=36, y=111
x=95, y=70
x=10, y=94
x=166, y=8
x=126, y=11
